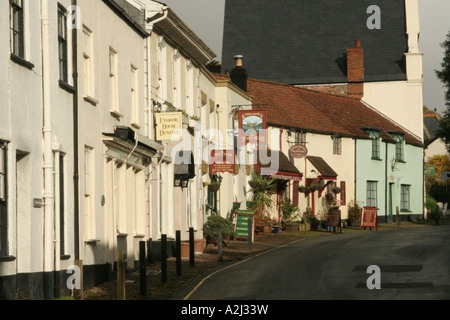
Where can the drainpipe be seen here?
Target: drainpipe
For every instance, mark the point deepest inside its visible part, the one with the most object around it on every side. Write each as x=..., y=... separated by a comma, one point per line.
x=75, y=140
x=386, y=185
x=149, y=117
x=48, y=155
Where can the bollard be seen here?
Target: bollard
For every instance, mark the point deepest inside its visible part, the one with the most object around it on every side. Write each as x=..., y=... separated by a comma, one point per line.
x=121, y=295
x=163, y=258
x=191, y=247
x=397, y=216
x=178, y=252
x=78, y=293
x=250, y=233
x=142, y=269
x=219, y=244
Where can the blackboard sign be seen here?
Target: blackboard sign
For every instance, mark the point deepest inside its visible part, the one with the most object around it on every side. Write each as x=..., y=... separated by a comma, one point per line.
x=369, y=218
x=243, y=219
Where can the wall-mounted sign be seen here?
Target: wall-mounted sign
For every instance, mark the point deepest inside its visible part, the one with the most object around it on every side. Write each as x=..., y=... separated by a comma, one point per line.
x=298, y=151
x=369, y=218
x=221, y=161
x=253, y=127
x=168, y=126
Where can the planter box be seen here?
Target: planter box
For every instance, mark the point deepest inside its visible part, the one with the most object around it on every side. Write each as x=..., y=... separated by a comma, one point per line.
x=199, y=247
x=302, y=227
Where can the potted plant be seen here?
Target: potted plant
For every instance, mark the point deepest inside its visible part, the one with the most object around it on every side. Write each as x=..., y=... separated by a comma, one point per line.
x=214, y=186
x=354, y=212
x=303, y=189
x=336, y=190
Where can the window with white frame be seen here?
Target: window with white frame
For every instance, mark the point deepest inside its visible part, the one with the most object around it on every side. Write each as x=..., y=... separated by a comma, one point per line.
x=371, y=194
x=16, y=20
x=114, y=82
x=300, y=138
x=405, y=197
x=135, y=97
x=190, y=88
x=88, y=64
x=3, y=200
x=62, y=44
x=89, y=193
x=176, y=78
x=337, y=145
x=399, y=148
x=376, y=141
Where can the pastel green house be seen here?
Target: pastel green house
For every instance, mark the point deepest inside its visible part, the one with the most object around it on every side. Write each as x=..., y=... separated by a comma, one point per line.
x=389, y=174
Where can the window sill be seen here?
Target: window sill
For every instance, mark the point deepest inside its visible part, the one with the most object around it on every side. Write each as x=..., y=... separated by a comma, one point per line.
x=90, y=99
x=91, y=242
x=21, y=61
x=67, y=87
x=377, y=159
x=135, y=125
x=7, y=259
x=65, y=257
x=405, y=210
x=115, y=113
x=122, y=235
x=139, y=235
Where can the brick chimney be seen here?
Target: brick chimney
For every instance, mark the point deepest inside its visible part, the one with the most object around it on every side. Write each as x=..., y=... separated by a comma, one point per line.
x=355, y=71
x=239, y=74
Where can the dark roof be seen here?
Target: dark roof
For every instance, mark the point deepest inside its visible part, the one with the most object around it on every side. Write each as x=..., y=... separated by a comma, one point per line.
x=430, y=127
x=288, y=106
x=305, y=41
x=284, y=169
x=324, y=168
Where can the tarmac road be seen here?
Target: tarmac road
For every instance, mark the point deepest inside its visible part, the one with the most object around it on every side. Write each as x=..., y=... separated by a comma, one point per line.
x=409, y=264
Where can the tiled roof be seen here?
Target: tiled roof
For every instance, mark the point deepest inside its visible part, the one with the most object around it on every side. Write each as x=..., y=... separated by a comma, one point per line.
x=305, y=41
x=323, y=167
x=304, y=110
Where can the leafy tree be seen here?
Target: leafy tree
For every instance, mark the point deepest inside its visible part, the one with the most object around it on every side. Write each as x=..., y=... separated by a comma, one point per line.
x=441, y=163
x=444, y=76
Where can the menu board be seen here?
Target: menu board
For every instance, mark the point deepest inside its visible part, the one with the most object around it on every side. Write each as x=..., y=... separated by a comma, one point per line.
x=243, y=219
x=369, y=218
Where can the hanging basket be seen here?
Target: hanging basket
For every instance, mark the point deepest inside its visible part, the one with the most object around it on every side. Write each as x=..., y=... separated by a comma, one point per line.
x=213, y=187
x=336, y=190
x=302, y=189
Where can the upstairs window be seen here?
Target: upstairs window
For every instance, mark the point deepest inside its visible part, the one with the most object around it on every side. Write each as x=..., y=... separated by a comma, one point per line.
x=300, y=138
x=399, y=148
x=375, y=136
x=62, y=43
x=337, y=145
x=16, y=25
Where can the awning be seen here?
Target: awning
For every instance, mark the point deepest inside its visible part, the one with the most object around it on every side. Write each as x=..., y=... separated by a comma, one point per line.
x=325, y=171
x=276, y=165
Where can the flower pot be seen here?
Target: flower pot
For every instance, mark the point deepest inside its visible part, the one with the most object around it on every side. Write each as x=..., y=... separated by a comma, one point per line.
x=199, y=247
x=213, y=187
x=276, y=229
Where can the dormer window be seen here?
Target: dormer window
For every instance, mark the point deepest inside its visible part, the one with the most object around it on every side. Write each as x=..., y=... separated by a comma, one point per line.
x=399, y=147
x=375, y=136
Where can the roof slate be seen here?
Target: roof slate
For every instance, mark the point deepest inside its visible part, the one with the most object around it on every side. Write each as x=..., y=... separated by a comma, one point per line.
x=305, y=42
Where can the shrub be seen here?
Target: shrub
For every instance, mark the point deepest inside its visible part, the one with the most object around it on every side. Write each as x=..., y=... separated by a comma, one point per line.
x=214, y=224
x=354, y=210
x=290, y=211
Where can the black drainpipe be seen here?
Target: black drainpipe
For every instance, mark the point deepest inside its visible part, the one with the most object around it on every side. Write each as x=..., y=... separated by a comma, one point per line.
x=75, y=136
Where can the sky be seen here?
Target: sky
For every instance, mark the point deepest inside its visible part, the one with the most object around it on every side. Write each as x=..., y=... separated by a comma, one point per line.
x=205, y=18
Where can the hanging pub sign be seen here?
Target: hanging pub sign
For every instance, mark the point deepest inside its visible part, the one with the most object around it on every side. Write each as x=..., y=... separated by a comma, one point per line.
x=168, y=126
x=222, y=161
x=298, y=151
x=253, y=127
x=369, y=218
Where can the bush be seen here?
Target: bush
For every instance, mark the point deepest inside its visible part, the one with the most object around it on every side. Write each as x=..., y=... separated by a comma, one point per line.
x=290, y=211
x=213, y=225
x=431, y=203
x=354, y=211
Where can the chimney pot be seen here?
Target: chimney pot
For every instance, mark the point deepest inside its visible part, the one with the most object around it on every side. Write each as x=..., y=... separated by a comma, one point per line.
x=238, y=58
x=358, y=43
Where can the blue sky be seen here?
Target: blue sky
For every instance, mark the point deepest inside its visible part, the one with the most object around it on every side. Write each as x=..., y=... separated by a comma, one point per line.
x=205, y=18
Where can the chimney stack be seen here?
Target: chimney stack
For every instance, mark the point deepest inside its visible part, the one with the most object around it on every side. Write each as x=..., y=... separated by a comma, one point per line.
x=355, y=71
x=239, y=74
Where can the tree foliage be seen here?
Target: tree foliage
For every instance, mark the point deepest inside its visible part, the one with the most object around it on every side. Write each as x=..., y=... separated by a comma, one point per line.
x=444, y=76
x=441, y=163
